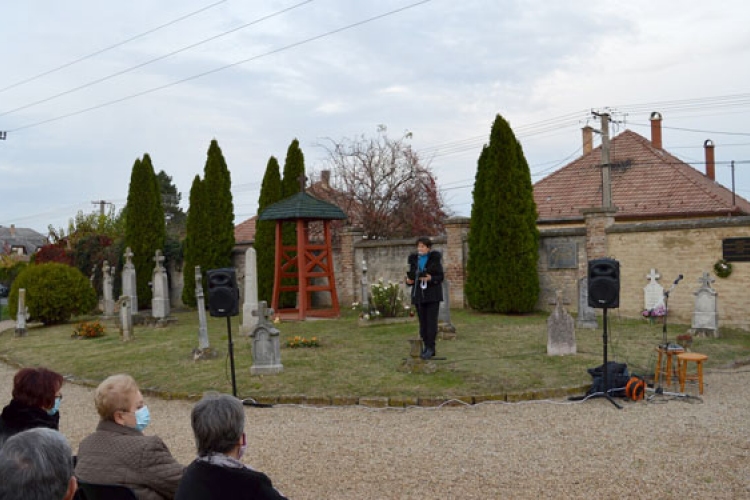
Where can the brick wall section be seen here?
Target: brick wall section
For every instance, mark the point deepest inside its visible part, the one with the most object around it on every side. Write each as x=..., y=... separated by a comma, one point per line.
x=454, y=258
x=687, y=248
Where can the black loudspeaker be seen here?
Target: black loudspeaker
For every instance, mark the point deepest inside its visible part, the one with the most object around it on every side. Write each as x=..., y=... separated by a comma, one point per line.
x=223, y=295
x=604, y=283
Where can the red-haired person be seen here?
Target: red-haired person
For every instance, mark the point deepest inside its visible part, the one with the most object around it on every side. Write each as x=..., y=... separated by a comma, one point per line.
x=36, y=402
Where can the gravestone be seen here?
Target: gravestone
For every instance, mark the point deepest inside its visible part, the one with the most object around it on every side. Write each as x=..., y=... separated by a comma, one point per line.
x=249, y=322
x=365, y=288
x=22, y=315
x=126, y=318
x=160, y=284
x=129, y=286
x=265, y=341
x=204, y=350
x=93, y=277
x=446, y=330
x=653, y=292
x=561, y=331
x=108, y=302
x=705, y=315
x=586, y=313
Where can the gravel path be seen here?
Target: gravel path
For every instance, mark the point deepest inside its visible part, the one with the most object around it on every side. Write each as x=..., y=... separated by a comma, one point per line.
x=550, y=449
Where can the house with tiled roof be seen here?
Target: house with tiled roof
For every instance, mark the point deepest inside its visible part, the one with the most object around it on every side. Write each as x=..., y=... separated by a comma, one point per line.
x=647, y=183
x=20, y=241
x=664, y=215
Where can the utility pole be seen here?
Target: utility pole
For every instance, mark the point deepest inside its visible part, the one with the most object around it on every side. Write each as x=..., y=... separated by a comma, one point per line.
x=101, y=204
x=734, y=201
x=606, y=170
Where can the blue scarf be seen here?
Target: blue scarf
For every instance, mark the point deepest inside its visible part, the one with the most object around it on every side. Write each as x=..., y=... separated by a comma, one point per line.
x=422, y=261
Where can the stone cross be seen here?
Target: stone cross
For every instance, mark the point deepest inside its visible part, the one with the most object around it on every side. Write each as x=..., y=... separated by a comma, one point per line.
x=249, y=322
x=160, y=283
x=705, y=280
x=561, y=332
x=266, y=346
x=129, y=285
x=653, y=292
x=201, y=302
x=108, y=301
x=22, y=315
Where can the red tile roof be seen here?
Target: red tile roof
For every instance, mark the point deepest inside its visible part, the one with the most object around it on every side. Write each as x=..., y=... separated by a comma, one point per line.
x=244, y=232
x=647, y=183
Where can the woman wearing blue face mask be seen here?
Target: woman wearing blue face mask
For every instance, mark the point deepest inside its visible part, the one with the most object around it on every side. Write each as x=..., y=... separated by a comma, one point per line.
x=119, y=453
x=36, y=402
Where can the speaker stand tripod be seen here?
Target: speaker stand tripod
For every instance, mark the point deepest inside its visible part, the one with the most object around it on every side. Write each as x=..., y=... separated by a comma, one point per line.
x=658, y=389
x=605, y=367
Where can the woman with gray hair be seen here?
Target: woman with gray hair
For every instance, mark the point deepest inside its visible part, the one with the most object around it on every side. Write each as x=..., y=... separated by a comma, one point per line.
x=218, y=422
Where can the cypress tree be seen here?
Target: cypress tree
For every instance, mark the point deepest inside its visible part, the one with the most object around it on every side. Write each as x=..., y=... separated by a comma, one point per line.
x=145, y=230
x=265, y=231
x=194, y=228
x=503, y=238
x=294, y=169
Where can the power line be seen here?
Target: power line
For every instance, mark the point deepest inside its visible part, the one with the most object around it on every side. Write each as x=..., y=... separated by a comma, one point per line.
x=165, y=56
x=226, y=66
x=101, y=51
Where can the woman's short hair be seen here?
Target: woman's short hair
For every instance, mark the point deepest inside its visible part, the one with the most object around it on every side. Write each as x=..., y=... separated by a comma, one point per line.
x=218, y=422
x=425, y=241
x=115, y=393
x=36, y=387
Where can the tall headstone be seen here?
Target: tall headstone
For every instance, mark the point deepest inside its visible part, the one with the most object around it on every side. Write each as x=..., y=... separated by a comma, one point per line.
x=445, y=327
x=108, y=301
x=160, y=284
x=561, y=332
x=129, y=286
x=126, y=318
x=365, y=288
x=706, y=315
x=586, y=313
x=249, y=322
x=266, y=346
x=653, y=292
x=22, y=315
x=201, y=302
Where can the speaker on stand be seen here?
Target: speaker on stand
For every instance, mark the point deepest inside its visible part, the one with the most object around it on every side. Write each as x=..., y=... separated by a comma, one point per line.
x=223, y=301
x=604, y=293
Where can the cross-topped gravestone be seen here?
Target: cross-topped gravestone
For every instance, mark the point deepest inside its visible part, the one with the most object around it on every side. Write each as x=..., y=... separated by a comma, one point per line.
x=653, y=292
x=266, y=347
x=705, y=316
x=160, y=284
x=108, y=298
x=129, y=286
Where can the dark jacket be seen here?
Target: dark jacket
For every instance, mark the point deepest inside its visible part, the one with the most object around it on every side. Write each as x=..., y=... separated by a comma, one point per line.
x=17, y=417
x=203, y=481
x=434, y=267
x=116, y=454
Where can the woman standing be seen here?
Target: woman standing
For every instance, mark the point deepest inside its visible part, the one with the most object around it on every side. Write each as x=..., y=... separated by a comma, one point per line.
x=425, y=275
x=36, y=402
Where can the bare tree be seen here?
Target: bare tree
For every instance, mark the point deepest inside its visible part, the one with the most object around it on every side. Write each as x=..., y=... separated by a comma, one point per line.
x=383, y=186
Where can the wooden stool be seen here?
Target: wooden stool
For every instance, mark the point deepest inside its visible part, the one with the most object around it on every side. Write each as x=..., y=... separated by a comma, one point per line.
x=668, y=353
x=682, y=362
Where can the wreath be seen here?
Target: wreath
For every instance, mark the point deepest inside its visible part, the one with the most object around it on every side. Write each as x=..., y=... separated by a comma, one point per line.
x=722, y=268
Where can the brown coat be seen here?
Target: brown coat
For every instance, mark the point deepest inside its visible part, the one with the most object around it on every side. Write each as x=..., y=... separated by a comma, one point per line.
x=116, y=454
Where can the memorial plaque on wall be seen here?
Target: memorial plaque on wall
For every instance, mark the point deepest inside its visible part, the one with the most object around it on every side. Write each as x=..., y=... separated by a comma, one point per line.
x=563, y=255
x=736, y=249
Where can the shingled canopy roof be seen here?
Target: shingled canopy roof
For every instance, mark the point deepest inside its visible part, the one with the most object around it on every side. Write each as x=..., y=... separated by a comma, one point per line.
x=302, y=206
x=647, y=183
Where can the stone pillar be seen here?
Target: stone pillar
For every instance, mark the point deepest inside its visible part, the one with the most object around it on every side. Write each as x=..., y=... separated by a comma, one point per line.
x=597, y=222
x=22, y=314
x=454, y=259
x=347, y=281
x=249, y=322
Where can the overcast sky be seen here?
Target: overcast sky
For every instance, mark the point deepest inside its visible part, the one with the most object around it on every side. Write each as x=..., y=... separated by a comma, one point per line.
x=86, y=87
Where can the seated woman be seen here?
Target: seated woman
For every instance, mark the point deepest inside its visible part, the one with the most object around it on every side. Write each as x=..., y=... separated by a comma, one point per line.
x=36, y=402
x=118, y=452
x=218, y=424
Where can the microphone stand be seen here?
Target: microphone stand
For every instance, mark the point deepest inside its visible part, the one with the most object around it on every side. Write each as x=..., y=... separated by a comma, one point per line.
x=665, y=344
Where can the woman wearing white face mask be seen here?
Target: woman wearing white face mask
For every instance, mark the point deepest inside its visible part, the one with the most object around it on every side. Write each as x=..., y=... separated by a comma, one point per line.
x=119, y=453
x=218, y=422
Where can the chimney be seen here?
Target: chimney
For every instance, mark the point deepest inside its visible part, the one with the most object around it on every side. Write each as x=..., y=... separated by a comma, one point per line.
x=708, y=147
x=12, y=230
x=588, y=139
x=656, y=129
x=325, y=178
